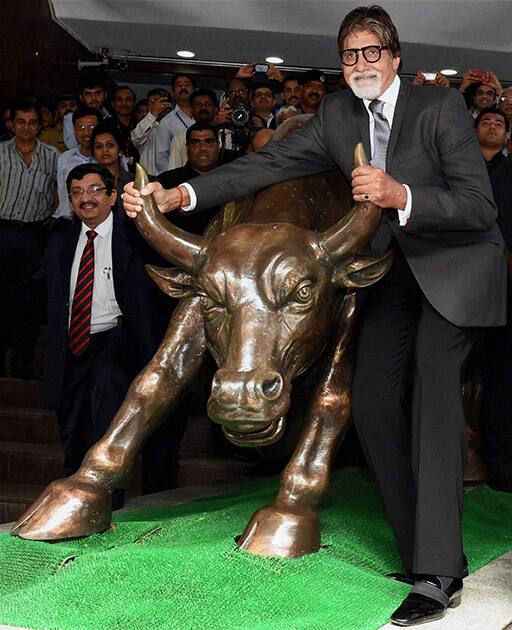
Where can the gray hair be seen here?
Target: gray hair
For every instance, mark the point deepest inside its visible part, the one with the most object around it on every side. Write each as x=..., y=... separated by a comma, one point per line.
x=286, y=109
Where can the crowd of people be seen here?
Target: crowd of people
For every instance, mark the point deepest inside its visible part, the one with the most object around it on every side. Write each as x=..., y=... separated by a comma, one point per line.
x=178, y=134
x=63, y=233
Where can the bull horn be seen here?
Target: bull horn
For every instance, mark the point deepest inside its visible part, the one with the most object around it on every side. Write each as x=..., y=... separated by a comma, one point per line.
x=175, y=245
x=351, y=233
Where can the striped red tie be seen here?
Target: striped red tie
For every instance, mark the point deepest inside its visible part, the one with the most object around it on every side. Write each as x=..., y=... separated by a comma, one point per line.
x=80, y=325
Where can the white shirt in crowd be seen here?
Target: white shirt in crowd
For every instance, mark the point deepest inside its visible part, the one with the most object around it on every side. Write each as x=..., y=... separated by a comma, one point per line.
x=169, y=126
x=144, y=139
x=67, y=161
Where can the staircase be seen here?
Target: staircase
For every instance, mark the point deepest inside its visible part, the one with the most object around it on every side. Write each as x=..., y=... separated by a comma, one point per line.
x=31, y=455
x=30, y=452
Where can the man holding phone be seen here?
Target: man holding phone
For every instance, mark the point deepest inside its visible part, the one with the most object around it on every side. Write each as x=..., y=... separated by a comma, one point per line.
x=144, y=134
x=481, y=88
x=433, y=78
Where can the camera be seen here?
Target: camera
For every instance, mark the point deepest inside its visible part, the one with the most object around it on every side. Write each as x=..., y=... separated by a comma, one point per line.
x=240, y=116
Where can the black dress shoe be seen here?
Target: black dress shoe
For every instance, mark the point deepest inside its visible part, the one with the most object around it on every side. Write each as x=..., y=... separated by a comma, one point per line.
x=428, y=601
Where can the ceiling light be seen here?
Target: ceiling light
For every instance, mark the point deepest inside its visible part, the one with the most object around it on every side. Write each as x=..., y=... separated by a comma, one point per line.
x=186, y=53
x=448, y=72
x=274, y=60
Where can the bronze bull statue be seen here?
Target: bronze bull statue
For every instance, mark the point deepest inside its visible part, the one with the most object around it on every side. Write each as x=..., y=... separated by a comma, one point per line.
x=264, y=298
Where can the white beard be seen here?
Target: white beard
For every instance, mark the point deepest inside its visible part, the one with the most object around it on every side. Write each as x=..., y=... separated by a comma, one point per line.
x=370, y=88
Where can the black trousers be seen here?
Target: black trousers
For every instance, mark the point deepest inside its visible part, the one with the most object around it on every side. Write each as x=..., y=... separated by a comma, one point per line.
x=407, y=409
x=21, y=249
x=94, y=388
x=496, y=409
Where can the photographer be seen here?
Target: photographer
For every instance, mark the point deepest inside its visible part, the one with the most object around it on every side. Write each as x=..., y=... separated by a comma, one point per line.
x=480, y=89
x=234, y=120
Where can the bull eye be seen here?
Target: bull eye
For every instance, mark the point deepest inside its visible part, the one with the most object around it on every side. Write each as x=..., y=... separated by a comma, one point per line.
x=303, y=294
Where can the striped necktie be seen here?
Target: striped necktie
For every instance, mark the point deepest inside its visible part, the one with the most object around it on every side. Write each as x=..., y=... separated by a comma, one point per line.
x=381, y=133
x=80, y=324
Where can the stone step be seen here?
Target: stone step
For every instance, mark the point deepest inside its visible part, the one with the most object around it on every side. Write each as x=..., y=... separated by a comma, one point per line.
x=27, y=424
x=16, y=392
x=195, y=471
x=15, y=498
x=33, y=464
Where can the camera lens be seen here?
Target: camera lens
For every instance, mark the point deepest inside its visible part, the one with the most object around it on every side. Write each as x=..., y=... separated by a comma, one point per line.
x=240, y=116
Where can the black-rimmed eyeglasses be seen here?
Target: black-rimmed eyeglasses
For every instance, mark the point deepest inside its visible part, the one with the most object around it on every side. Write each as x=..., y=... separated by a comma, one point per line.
x=371, y=54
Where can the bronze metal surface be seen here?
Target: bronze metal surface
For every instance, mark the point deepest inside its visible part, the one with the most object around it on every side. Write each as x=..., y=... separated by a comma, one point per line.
x=266, y=297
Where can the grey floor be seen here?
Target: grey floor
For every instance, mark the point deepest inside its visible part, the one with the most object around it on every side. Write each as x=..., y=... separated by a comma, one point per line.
x=486, y=602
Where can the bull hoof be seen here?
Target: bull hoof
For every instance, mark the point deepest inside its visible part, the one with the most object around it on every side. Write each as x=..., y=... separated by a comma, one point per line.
x=67, y=508
x=281, y=531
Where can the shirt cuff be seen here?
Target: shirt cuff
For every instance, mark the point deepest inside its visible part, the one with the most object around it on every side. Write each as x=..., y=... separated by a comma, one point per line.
x=405, y=213
x=193, y=198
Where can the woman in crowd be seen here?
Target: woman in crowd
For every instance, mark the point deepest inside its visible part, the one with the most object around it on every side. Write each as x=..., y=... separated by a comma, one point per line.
x=106, y=145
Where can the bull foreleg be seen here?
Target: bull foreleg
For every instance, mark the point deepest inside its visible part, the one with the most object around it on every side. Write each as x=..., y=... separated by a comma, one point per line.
x=289, y=526
x=81, y=504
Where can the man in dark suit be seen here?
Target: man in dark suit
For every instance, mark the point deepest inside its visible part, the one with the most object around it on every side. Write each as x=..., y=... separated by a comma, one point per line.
x=416, y=325
x=104, y=320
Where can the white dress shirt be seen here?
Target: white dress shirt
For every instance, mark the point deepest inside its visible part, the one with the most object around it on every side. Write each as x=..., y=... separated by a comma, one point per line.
x=67, y=161
x=144, y=138
x=169, y=126
x=389, y=98
x=105, y=309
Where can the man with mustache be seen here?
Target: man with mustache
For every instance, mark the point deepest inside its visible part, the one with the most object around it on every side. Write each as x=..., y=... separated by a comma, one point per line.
x=178, y=120
x=204, y=109
x=28, y=174
x=416, y=326
x=492, y=126
x=290, y=91
x=202, y=148
x=313, y=91
x=103, y=319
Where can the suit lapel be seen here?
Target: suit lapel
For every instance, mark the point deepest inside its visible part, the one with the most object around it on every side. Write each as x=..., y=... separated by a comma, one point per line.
x=68, y=254
x=401, y=106
x=363, y=124
x=122, y=252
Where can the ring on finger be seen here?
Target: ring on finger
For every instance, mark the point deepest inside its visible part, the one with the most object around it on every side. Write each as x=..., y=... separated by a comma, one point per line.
x=367, y=197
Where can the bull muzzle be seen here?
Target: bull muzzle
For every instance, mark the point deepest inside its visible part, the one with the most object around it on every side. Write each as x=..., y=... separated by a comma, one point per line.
x=250, y=406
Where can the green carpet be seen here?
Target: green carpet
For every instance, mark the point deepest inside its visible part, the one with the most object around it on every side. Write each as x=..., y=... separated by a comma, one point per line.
x=178, y=568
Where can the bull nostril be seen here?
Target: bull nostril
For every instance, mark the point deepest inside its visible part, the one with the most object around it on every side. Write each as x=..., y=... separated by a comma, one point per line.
x=271, y=387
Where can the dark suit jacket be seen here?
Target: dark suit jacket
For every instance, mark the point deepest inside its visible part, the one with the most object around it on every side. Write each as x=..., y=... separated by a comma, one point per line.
x=140, y=301
x=451, y=241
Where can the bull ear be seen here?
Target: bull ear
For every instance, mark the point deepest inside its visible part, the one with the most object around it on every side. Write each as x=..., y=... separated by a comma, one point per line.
x=362, y=271
x=172, y=281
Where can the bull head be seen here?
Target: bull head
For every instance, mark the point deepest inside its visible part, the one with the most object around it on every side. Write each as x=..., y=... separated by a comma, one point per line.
x=267, y=294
